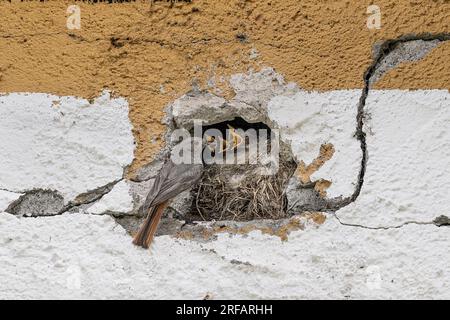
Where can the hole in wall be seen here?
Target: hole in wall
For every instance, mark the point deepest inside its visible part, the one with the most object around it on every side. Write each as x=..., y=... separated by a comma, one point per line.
x=244, y=190
x=230, y=198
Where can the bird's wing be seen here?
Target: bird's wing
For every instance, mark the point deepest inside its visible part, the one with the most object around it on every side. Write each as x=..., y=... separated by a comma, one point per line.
x=171, y=181
x=181, y=177
x=157, y=185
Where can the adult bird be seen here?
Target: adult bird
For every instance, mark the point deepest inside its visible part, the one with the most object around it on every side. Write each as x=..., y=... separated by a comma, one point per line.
x=171, y=180
x=174, y=178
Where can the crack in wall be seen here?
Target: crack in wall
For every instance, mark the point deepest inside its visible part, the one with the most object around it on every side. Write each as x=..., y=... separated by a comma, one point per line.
x=332, y=205
x=442, y=221
x=12, y=191
x=438, y=222
x=90, y=196
x=381, y=52
x=24, y=208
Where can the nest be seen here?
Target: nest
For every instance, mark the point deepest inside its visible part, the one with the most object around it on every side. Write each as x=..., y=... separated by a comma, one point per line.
x=241, y=193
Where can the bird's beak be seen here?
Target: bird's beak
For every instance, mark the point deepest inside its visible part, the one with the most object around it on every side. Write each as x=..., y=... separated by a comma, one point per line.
x=236, y=139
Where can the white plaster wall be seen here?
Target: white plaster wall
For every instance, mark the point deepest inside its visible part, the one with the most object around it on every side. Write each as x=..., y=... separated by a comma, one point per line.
x=63, y=143
x=118, y=200
x=89, y=256
x=6, y=198
x=310, y=119
x=408, y=169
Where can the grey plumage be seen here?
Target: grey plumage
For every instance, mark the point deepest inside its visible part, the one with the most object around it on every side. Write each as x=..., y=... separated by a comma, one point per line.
x=171, y=180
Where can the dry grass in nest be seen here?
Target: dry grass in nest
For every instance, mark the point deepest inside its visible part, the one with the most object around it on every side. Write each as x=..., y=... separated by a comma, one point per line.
x=237, y=192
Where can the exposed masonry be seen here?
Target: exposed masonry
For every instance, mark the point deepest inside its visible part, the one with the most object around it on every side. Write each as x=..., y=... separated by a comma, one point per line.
x=387, y=56
x=209, y=230
x=442, y=221
x=319, y=127
x=45, y=203
x=410, y=51
x=253, y=92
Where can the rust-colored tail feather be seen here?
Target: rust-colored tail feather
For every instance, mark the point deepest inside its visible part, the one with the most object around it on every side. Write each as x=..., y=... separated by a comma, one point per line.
x=145, y=235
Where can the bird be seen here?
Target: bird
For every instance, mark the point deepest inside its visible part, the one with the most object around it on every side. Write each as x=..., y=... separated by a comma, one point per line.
x=234, y=141
x=172, y=179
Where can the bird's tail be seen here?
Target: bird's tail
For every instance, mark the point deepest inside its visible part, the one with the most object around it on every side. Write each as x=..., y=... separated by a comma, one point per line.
x=148, y=229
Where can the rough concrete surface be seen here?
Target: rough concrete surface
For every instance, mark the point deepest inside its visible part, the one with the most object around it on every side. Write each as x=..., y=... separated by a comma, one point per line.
x=311, y=119
x=36, y=203
x=407, y=173
x=118, y=200
x=85, y=117
x=87, y=256
x=66, y=144
x=403, y=52
x=6, y=198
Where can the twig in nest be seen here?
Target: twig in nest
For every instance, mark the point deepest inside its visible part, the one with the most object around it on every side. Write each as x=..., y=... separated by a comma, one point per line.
x=254, y=197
